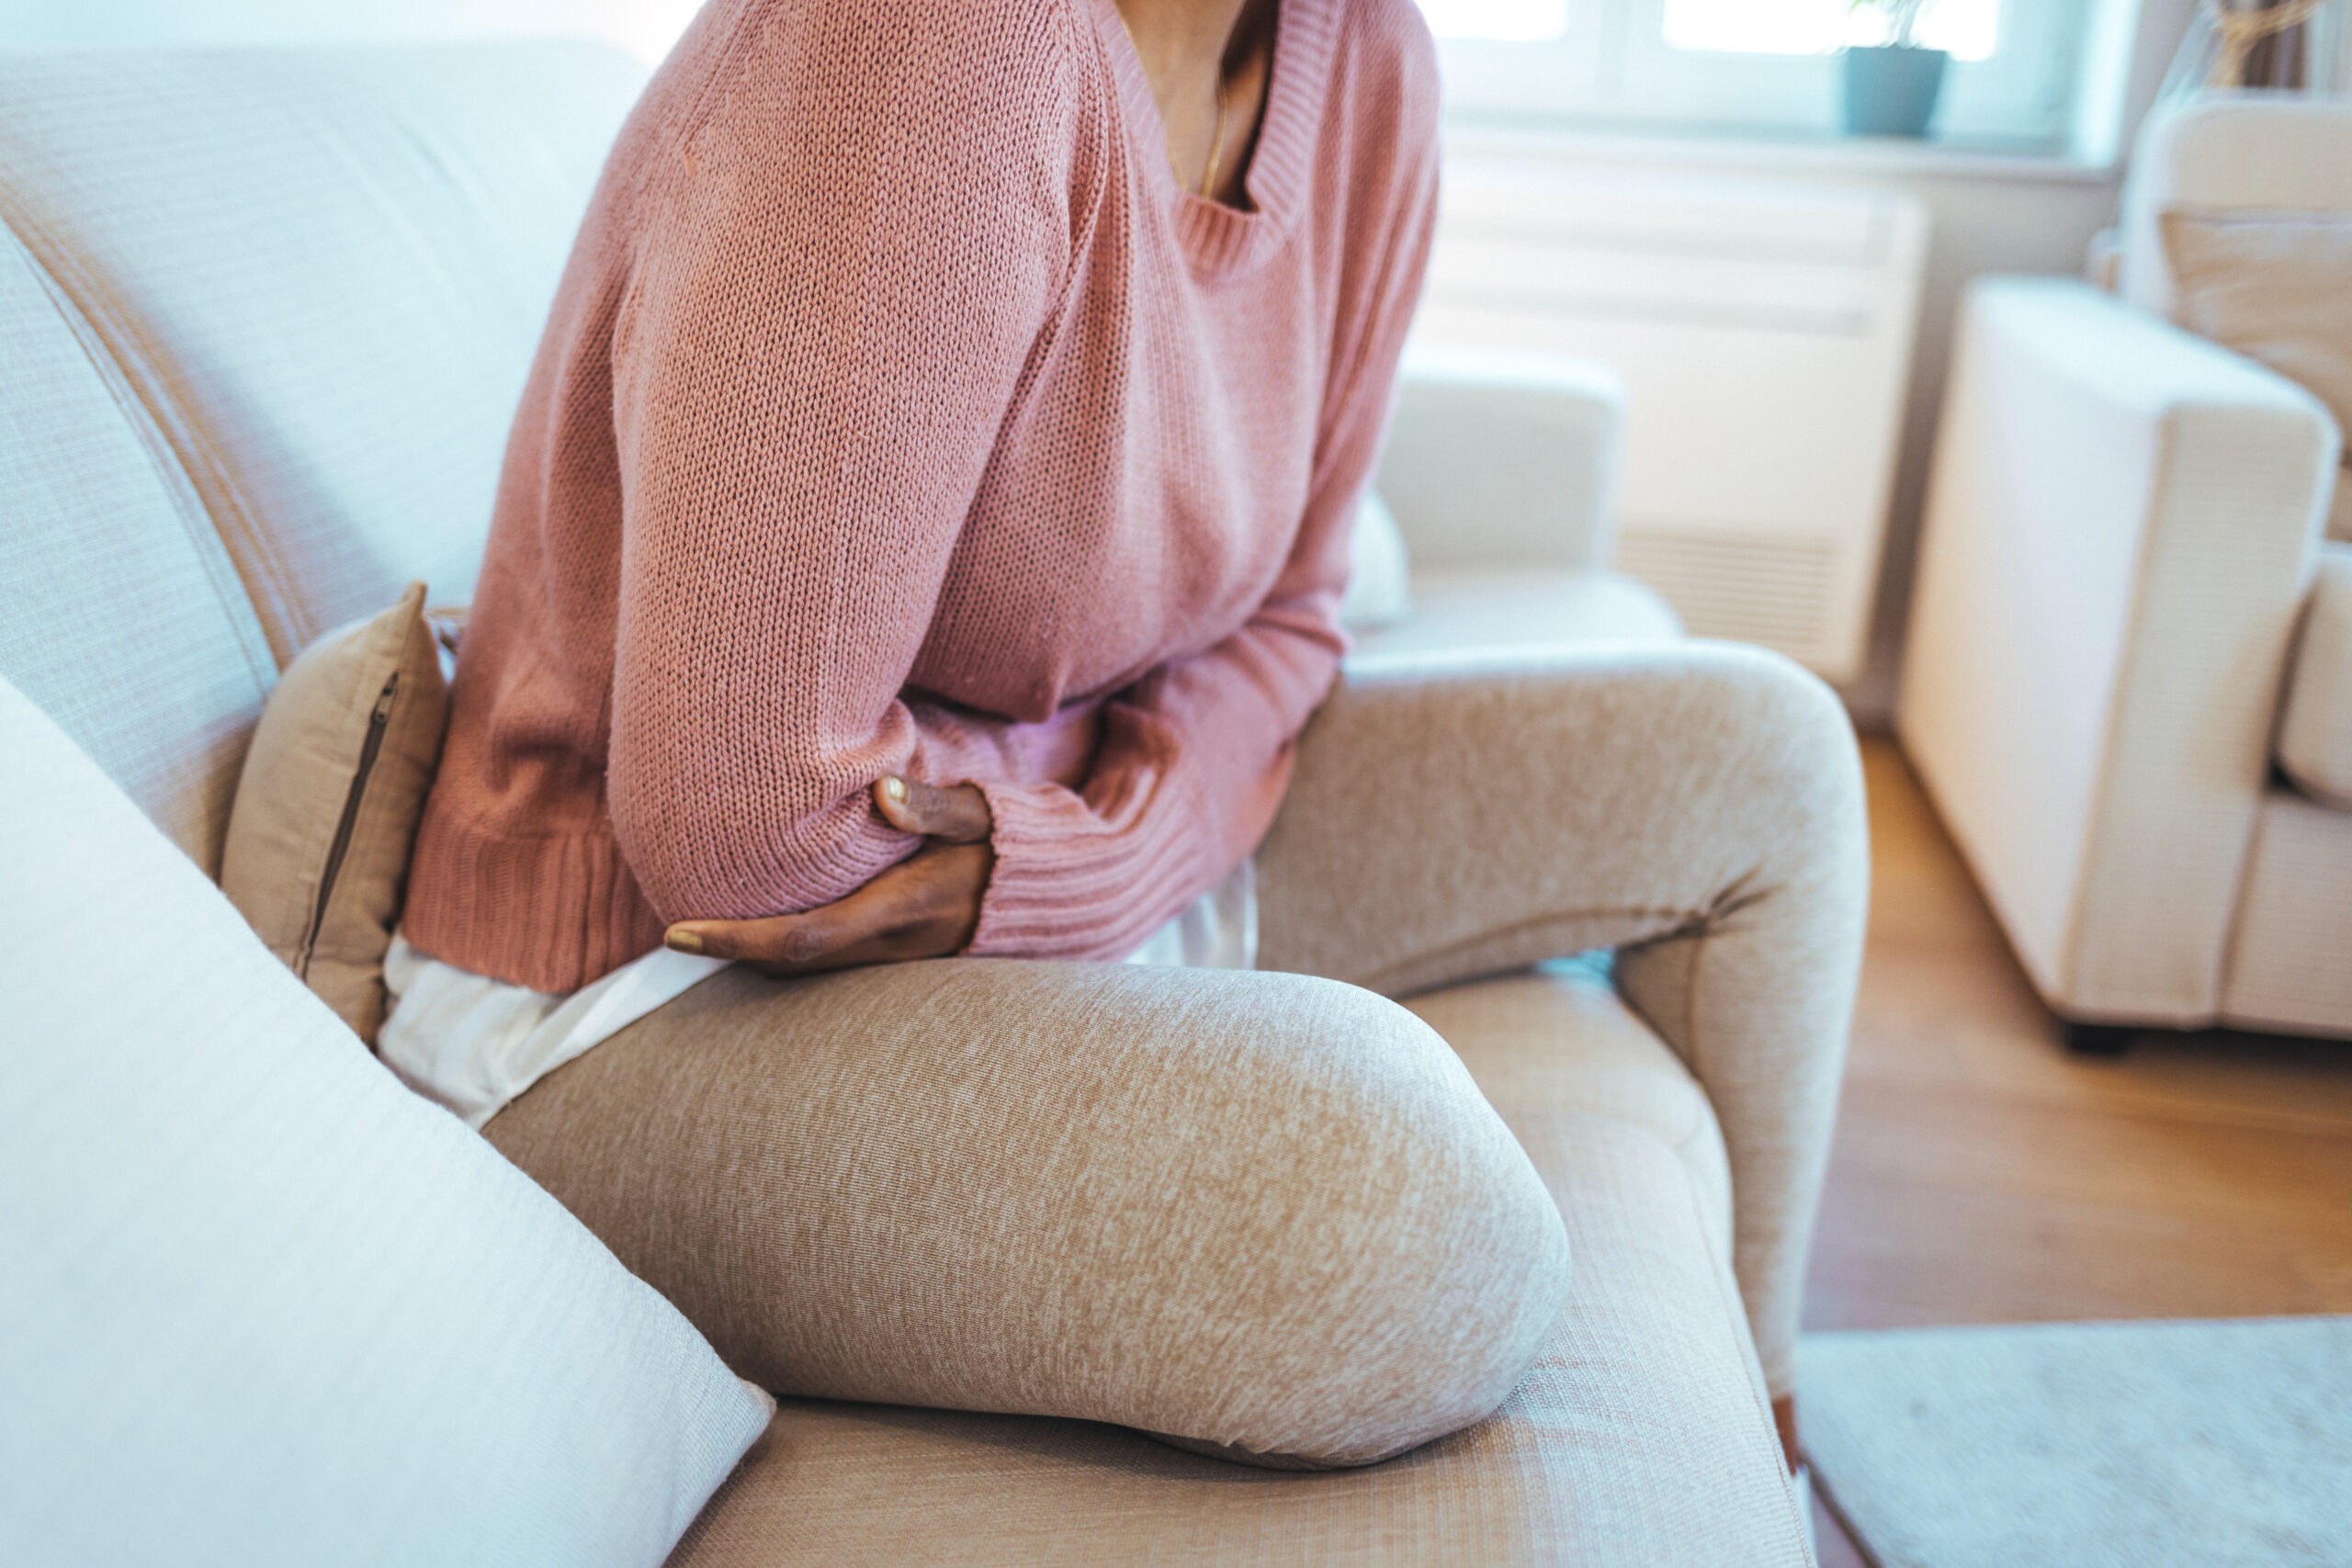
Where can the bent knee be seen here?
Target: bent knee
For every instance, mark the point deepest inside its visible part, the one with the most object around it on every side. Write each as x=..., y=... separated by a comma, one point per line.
x=1267, y=1213
x=1418, y=1265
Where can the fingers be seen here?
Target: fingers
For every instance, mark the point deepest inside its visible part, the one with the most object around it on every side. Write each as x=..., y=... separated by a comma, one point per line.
x=925, y=908
x=955, y=814
x=791, y=942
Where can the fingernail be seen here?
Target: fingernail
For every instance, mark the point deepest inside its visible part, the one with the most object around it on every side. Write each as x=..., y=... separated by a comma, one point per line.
x=895, y=787
x=683, y=941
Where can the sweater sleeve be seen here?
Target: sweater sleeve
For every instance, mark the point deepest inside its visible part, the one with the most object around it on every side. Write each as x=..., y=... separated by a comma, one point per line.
x=851, y=255
x=1193, y=758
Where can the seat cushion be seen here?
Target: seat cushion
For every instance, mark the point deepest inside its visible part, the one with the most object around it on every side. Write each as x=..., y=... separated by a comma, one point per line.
x=1640, y=1437
x=124, y=618
x=2291, y=951
x=261, y=1306
x=2315, y=723
x=324, y=272
x=1520, y=606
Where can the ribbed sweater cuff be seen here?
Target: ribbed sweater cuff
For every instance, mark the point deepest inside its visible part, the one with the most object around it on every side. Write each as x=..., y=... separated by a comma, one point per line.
x=550, y=914
x=1068, y=885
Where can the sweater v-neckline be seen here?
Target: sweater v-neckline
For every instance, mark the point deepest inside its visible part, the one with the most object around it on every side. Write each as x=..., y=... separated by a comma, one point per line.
x=1221, y=241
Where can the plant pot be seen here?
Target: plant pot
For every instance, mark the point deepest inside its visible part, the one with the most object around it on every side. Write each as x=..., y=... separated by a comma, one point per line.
x=1891, y=90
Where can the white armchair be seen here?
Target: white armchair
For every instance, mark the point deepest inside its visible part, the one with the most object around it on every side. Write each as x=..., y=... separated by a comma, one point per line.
x=2123, y=534
x=1501, y=474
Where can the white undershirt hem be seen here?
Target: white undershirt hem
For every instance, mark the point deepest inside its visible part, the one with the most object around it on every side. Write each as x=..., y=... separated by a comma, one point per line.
x=471, y=1043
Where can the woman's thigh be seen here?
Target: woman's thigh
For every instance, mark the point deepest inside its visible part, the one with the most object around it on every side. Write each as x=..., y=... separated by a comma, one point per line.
x=1264, y=1211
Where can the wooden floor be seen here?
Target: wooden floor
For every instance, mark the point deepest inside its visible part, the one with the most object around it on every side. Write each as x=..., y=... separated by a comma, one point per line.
x=1981, y=1175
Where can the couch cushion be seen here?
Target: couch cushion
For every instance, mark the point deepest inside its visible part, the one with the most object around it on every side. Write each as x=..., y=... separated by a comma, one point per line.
x=1463, y=607
x=324, y=274
x=1641, y=1437
x=2291, y=951
x=1380, y=569
x=2224, y=151
x=262, y=1305
x=2272, y=286
x=2315, y=723
x=124, y=616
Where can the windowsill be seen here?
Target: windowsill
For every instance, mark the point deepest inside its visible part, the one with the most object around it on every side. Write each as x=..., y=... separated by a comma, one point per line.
x=1791, y=153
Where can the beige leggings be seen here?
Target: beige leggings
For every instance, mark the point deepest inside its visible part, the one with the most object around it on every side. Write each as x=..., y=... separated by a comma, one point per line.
x=1697, y=806
x=1265, y=1213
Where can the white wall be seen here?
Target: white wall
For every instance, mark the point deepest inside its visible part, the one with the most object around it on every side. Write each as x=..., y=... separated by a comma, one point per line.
x=1989, y=215
x=647, y=27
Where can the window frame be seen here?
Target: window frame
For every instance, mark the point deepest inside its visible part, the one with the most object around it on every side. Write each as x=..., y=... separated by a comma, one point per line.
x=1614, y=68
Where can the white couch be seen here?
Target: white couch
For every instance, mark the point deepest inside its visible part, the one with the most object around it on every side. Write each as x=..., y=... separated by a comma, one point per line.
x=263, y=316
x=2128, y=686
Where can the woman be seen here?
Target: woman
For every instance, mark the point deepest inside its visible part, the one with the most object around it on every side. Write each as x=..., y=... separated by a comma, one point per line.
x=921, y=535
x=924, y=522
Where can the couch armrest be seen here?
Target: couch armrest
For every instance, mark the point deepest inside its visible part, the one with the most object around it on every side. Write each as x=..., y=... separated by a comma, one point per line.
x=1504, y=457
x=2120, y=529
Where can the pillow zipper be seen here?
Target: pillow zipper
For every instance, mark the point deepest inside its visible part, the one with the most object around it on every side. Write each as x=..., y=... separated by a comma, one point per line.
x=378, y=722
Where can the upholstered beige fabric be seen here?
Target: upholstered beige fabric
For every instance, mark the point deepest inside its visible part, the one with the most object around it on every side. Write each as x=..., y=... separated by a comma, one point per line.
x=1256, y=1210
x=327, y=806
x=324, y=274
x=2275, y=287
x=2291, y=956
x=1380, y=569
x=119, y=614
x=1520, y=606
x=2257, y=152
x=1465, y=816
x=2315, y=723
x=2119, y=541
x=1638, y=1439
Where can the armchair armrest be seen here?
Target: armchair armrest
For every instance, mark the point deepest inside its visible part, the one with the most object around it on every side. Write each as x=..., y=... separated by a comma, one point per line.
x=2121, y=528
x=1504, y=457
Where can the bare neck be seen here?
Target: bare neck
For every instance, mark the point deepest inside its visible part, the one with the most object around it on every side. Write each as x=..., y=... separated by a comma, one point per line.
x=1208, y=62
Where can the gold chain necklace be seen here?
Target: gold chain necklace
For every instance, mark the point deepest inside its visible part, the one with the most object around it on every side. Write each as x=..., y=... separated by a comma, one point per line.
x=1217, y=143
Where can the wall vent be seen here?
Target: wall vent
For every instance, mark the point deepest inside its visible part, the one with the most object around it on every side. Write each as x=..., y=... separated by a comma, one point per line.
x=1763, y=334
x=1777, y=593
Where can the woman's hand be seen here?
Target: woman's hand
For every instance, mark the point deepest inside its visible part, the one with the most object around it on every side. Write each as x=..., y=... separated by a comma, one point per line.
x=924, y=908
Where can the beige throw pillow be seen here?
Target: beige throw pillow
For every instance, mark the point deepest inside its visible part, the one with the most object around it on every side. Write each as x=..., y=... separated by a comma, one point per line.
x=327, y=809
x=2275, y=287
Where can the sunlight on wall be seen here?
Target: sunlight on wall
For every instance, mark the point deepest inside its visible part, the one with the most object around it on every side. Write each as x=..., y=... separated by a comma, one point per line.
x=1969, y=28
x=1515, y=21
x=646, y=27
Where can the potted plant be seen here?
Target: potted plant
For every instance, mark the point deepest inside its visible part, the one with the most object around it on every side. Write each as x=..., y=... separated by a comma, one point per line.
x=1891, y=88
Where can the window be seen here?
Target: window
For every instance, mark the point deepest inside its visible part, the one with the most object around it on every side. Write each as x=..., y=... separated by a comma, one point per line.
x=1971, y=29
x=1758, y=65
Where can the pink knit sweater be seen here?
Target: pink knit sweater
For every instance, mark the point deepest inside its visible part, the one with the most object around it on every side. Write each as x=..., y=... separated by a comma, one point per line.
x=899, y=413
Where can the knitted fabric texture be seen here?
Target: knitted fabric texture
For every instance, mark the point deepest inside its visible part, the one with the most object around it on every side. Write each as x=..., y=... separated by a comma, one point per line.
x=897, y=413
